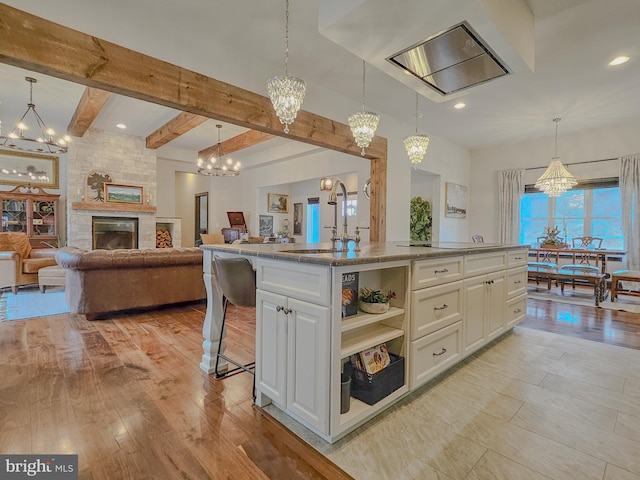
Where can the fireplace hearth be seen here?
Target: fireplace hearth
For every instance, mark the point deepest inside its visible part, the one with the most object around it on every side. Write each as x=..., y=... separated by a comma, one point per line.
x=109, y=233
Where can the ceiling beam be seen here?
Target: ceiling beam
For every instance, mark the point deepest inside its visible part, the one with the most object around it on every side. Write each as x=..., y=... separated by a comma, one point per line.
x=174, y=128
x=39, y=45
x=239, y=142
x=89, y=106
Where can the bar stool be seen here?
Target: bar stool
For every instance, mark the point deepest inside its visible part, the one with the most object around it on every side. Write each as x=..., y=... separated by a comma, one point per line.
x=237, y=280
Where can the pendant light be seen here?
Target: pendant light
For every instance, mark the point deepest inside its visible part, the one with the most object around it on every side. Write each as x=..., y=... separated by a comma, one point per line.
x=286, y=93
x=215, y=166
x=42, y=140
x=556, y=179
x=416, y=145
x=363, y=124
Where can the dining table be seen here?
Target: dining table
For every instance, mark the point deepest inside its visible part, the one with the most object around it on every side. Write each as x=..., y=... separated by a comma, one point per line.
x=583, y=256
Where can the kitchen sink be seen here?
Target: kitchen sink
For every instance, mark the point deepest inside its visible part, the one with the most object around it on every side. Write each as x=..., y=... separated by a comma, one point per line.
x=306, y=251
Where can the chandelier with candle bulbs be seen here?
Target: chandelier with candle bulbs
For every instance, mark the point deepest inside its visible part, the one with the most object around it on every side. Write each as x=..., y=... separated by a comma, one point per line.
x=41, y=140
x=216, y=165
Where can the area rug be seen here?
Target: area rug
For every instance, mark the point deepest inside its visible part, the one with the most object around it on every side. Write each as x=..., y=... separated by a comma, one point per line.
x=29, y=304
x=580, y=298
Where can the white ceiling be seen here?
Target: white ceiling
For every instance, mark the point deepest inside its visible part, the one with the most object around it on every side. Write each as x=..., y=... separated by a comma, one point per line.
x=241, y=42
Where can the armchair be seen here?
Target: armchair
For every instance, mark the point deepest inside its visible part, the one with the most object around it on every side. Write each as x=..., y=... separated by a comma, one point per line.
x=19, y=263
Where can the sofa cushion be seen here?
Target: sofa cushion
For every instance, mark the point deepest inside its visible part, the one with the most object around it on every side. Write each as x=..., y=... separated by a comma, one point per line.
x=18, y=242
x=32, y=265
x=78, y=259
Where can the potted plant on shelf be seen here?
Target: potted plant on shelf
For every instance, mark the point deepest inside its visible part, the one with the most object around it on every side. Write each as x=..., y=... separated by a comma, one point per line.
x=374, y=301
x=552, y=240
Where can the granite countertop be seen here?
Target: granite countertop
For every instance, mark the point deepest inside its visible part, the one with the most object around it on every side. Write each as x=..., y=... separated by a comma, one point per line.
x=375, y=252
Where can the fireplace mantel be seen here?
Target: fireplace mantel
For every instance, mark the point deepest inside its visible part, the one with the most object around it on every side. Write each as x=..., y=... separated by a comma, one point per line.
x=113, y=207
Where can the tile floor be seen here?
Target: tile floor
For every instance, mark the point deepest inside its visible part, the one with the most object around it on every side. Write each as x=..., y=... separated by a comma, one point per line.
x=532, y=405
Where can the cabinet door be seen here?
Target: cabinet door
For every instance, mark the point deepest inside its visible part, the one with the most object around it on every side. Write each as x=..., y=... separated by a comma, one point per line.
x=308, y=363
x=496, y=304
x=271, y=346
x=475, y=294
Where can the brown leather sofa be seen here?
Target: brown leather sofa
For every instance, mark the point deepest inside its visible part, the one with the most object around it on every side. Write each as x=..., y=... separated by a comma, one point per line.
x=19, y=263
x=102, y=281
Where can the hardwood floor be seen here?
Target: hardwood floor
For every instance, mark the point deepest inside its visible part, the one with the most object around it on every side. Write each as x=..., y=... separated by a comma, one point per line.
x=127, y=395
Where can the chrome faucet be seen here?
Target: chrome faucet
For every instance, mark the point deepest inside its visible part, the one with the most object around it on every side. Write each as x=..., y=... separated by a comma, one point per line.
x=344, y=239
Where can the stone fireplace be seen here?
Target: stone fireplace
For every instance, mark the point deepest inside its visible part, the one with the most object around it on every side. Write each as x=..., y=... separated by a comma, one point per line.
x=128, y=162
x=109, y=233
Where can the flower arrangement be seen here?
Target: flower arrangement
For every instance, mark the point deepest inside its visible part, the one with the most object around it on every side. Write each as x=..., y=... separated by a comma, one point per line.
x=552, y=236
x=374, y=301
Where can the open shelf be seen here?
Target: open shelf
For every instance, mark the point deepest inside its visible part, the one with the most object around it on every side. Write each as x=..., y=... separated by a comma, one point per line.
x=359, y=410
x=360, y=339
x=362, y=319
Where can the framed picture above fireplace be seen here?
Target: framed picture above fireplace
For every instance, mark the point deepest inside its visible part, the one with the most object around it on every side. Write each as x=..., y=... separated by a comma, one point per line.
x=116, y=193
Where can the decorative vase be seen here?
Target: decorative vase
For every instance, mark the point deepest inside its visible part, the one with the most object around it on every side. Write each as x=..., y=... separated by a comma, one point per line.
x=555, y=246
x=374, y=307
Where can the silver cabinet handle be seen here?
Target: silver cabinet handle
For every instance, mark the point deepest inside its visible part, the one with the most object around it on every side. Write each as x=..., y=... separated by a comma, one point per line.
x=518, y=281
x=442, y=352
x=517, y=311
x=517, y=258
x=441, y=271
x=443, y=307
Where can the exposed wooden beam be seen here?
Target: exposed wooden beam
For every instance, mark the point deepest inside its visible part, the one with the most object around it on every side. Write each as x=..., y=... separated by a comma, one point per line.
x=36, y=44
x=174, y=128
x=89, y=106
x=239, y=142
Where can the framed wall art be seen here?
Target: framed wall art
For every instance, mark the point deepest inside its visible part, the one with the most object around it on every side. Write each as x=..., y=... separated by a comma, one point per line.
x=455, y=200
x=266, y=225
x=115, y=193
x=277, y=203
x=22, y=168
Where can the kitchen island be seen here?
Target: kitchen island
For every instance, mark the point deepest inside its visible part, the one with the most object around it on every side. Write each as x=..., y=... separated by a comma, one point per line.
x=450, y=300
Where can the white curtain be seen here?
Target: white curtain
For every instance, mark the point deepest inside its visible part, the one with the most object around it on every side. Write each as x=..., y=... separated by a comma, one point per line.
x=510, y=191
x=630, y=193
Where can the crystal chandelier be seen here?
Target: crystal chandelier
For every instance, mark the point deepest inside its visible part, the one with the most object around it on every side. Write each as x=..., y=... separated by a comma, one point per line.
x=16, y=139
x=215, y=166
x=363, y=124
x=556, y=179
x=416, y=145
x=286, y=93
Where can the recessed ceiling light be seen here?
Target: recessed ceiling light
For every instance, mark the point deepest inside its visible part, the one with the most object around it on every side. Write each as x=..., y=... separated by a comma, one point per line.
x=619, y=60
x=121, y=126
x=460, y=105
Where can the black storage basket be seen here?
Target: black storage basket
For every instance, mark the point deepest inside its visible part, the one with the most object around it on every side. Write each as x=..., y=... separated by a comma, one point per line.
x=371, y=388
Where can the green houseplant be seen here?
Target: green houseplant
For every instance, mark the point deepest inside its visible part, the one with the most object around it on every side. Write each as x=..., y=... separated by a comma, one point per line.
x=420, y=219
x=374, y=301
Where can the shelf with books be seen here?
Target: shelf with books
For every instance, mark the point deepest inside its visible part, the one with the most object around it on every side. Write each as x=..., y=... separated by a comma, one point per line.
x=362, y=319
x=360, y=339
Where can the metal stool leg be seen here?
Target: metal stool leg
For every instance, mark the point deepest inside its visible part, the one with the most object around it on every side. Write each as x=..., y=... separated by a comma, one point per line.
x=248, y=367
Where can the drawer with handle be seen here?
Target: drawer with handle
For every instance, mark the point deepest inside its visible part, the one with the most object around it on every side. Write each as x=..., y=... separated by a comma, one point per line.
x=428, y=273
x=434, y=308
x=434, y=353
x=516, y=281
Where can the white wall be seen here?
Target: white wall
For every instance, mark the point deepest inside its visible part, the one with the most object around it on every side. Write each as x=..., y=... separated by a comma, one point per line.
x=599, y=144
x=186, y=186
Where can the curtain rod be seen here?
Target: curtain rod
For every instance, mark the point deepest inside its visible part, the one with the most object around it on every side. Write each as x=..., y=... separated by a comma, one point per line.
x=578, y=163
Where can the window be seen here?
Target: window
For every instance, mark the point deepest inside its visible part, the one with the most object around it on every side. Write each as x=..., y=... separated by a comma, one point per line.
x=592, y=208
x=313, y=220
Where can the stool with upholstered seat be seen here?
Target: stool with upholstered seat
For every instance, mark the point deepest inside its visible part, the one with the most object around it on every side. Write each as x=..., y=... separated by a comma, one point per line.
x=237, y=280
x=54, y=275
x=623, y=276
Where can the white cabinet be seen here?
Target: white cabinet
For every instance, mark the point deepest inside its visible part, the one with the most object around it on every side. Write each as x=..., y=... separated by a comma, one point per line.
x=292, y=339
x=484, y=312
x=292, y=354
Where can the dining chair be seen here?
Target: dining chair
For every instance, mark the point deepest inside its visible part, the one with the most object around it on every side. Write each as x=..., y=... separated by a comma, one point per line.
x=477, y=238
x=582, y=260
